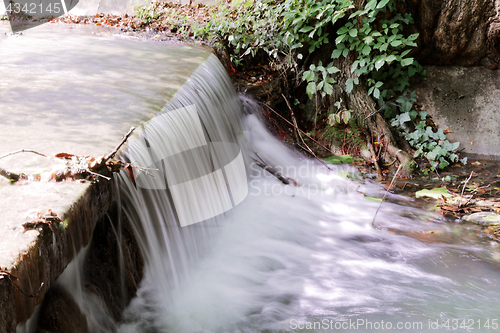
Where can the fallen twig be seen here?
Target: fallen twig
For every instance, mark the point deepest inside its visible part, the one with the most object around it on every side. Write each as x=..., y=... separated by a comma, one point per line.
x=13, y=177
x=273, y=172
x=12, y=278
x=385, y=195
x=124, y=139
x=99, y=175
x=307, y=135
x=77, y=167
x=23, y=151
x=300, y=136
x=463, y=189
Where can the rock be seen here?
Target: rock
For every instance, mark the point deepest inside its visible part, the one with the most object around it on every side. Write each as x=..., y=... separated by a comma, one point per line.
x=482, y=218
x=60, y=313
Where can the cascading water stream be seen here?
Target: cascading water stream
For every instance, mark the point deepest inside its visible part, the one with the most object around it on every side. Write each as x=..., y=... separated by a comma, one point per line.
x=268, y=257
x=291, y=256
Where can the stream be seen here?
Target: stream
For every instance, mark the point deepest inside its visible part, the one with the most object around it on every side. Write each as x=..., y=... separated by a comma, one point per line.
x=302, y=258
x=265, y=256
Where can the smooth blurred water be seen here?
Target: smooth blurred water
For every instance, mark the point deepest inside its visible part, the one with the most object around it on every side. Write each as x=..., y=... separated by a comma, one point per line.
x=303, y=258
x=292, y=256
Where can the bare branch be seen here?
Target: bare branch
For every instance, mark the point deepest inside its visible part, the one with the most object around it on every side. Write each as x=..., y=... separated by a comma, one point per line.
x=98, y=174
x=97, y=166
x=124, y=139
x=24, y=151
x=385, y=195
x=463, y=189
x=9, y=175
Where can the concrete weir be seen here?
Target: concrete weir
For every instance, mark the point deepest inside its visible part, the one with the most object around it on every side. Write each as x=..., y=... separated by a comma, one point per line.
x=78, y=90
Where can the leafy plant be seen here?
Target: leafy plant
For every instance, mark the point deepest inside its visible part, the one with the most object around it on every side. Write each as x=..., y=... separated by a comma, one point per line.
x=147, y=14
x=342, y=117
x=319, y=79
x=374, y=38
x=381, y=47
x=344, y=132
x=429, y=144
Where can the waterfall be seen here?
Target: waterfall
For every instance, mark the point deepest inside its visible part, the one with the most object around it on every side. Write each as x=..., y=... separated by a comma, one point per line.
x=195, y=174
x=229, y=248
x=282, y=257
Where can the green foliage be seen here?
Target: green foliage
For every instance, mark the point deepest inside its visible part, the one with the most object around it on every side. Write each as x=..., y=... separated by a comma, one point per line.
x=147, y=13
x=344, y=132
x=319, y=79
x=381, y=47
x=249, y=27
x=373, y=36
x=429, y=144
x=339, y=118
x=278, y=28
x=339, y=159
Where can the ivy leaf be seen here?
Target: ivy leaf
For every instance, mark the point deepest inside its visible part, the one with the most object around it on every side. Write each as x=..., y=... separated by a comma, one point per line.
x=396, y=43
x=382, y=4
x=340, y=38
x=406, y=62
x=371, y=5
x=405, y=53
x=336, y=53
x=333, y=70
x=412, y=37
x=379, y=64
x=404, y=117
x=342, y=30
x=306, y=29
x=311, y=89
x=328, y=88
x=349, y=85
x=366, y=50
x=390, y=58
x=308, y=76
x=441, y=134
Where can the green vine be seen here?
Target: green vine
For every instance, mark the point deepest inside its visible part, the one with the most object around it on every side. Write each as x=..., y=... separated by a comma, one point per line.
x=288, y=31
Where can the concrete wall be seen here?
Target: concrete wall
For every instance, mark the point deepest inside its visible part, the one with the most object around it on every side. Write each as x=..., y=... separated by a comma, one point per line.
x=465, y=100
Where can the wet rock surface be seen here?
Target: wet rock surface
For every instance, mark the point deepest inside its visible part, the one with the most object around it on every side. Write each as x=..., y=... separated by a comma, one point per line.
x=111, y=271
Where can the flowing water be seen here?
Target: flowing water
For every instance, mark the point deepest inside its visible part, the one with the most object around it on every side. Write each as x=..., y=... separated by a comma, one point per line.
x=300, y=258
x=262, y=256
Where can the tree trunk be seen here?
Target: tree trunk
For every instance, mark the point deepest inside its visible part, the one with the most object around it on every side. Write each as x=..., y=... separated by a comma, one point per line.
x=363, y=106
x=456, y=32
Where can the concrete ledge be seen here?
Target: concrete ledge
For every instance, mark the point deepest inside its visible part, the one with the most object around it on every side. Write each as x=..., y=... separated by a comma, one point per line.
x=74, y=89
x=465, y=100
x=50, y=253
